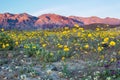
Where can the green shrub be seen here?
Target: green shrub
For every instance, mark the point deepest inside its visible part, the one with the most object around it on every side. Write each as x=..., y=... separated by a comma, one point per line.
x=31, y=49
x=6, y=43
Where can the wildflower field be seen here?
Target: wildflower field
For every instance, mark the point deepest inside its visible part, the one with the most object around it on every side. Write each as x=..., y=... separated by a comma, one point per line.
x=74, y=54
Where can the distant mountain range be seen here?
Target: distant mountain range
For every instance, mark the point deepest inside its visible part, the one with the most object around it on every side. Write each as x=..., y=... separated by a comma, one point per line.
x=25, y=21
x=94, y=20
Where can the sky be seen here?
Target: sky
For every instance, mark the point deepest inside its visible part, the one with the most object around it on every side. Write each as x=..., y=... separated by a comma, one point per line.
x=82, y=8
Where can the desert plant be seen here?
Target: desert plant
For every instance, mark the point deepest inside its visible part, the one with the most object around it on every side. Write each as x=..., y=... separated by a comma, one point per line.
x=30, y=49
x=6, y=42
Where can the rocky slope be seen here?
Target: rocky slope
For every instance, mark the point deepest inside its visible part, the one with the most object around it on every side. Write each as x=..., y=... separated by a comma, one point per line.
x=54, y=21
x=25, y=21
x=17, y=21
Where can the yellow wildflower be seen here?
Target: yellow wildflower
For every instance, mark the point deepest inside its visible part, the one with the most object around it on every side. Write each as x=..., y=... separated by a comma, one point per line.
x=100, y=49
x=26, y=46
x=16, y=43
x=113, y=59
x=102, y=57
x=34, y=47
x=112, y=43
x=2, y=29
x=65, y=46
x=66, y=28
x=66, y=49
x=106, y=40
x=86, y=46
x=7, y=45
x=63, y=58
x=78, y=34
x=60, y=46
x=76, y=25
x=3, y=46
x=97, y=29
x=81, y=29
x=44, y=45
x=89, y=35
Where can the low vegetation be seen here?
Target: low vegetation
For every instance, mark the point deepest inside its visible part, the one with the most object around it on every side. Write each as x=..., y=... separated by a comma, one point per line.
x=100, y=47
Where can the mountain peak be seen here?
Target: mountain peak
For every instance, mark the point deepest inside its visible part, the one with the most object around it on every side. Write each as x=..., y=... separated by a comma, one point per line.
x=54, y=20
x=26, y=21
x=24, y=14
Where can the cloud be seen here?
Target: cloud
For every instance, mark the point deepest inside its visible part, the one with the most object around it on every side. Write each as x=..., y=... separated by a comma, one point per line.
x=57, y=10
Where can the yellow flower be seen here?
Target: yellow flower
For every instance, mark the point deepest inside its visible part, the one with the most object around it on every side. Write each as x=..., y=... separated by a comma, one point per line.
x=89, y=35
x=113, y=59
x=34, y=47
x=2, y=29
x=102, y=57
x=78, y=34
x=26, y=46
x=7, y=45
x=44, y=45
x=76, y=25
x=81, y=29
x=97, y=29
x=103, y=43
x=86, y=46
x=100, y=49
x=65, y=46
x=112, y=43
x=63, y=58
x=16, y=43
x=74, y=30
x=66, y=28
x=60, y=46
x=106, y=40
x=3, y=46
x=66, y=49
x=51, y=54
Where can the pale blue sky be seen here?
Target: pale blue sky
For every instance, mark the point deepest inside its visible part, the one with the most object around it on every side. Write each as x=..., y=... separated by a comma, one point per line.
x=85, y=8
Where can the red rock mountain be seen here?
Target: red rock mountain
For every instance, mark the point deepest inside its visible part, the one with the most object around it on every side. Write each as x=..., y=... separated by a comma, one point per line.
x=25, y=21
x=17, y=21
x=95, y=20
x=54, y=20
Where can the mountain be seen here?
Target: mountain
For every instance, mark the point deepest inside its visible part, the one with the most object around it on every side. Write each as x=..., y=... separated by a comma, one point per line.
x=25, y=21
x=54, y=21
x=97, y=20
x=17, y=21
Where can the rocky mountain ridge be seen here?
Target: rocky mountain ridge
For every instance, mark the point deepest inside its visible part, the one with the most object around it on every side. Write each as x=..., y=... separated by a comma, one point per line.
x=25, y=21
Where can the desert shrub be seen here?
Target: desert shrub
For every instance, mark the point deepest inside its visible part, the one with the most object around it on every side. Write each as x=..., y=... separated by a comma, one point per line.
x=31, y=49
x=6, y=43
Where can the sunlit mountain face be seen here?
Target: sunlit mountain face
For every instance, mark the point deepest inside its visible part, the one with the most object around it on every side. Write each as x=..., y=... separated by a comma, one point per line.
x=25, y=21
